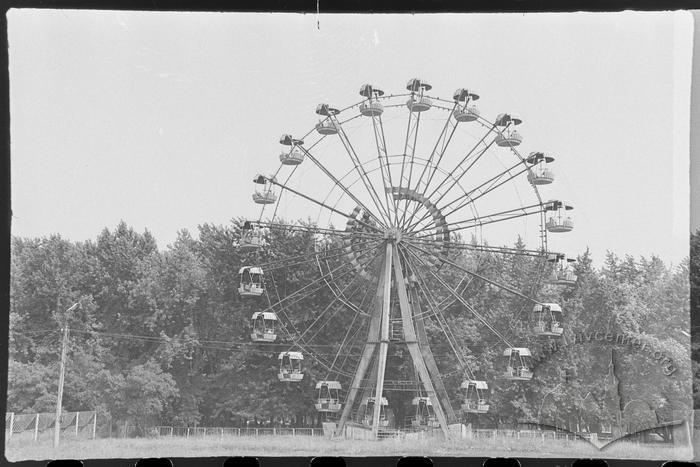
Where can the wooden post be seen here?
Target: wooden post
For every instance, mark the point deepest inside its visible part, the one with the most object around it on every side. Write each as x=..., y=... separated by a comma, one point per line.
x=126, y=428
x=36, y=427
x=12, y=424
x=77, y=423
x=171, y=432
x=222, y=433
x=61, y=377
x=94, y=425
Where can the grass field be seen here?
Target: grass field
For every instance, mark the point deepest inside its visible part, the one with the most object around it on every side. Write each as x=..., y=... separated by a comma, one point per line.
x=18, y=449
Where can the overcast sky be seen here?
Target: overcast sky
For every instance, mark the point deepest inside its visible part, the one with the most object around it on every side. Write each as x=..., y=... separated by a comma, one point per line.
x=161, y=119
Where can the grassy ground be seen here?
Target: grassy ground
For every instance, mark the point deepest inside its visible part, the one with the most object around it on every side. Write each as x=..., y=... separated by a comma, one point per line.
x=18, y=449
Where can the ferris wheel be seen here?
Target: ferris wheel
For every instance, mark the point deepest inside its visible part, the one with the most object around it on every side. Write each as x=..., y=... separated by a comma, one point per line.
x=405, y=198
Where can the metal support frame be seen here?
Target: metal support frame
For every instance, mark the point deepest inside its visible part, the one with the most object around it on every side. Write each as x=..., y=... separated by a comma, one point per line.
x=378, y=340
x=368, y=351
x=412, y=344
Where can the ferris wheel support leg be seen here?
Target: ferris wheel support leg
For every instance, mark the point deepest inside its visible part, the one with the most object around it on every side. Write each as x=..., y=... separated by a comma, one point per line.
x=383, y=339
x=412, y=344
x=366, y=358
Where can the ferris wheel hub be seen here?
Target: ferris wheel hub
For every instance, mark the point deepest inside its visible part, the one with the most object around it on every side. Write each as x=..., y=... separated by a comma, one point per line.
x=393, y=233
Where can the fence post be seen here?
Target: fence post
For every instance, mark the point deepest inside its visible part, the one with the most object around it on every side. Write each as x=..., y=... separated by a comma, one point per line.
x=94, y=425
x=126, y=428
x=294, y=432
x=36, y=427
x=256, y=432
x=12, y=424
x=171, y=432
x=274, y=431
x=77, y=425
x=222, y=433
x=188, y=432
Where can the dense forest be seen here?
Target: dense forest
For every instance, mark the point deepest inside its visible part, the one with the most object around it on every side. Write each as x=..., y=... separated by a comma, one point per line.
x=159, y=335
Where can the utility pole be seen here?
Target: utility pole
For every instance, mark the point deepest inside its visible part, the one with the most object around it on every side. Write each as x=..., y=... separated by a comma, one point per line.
x=59, y=399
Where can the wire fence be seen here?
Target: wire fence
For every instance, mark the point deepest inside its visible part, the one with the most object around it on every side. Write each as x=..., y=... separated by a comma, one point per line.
x=493, y=434
x=191, y=432
x=41, y=426
x=542, y=435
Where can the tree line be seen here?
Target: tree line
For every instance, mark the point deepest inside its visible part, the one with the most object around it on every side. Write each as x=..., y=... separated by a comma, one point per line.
x=160, y=336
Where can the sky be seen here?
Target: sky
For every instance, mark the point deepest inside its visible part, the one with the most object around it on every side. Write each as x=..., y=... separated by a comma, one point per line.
x=163, y=118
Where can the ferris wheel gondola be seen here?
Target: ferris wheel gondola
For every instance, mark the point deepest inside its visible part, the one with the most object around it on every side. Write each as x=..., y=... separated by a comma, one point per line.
x=475, y=396
x=518, y=364
x=392, y=269
x=263, y=194
x=548, y=320
x=328, y=399
x=251, y=237
x=251, y=283
x=560, y=221
x=290, y=367
x=423, y=413
x=540, y=173
x=264, y=323
x=563, y=273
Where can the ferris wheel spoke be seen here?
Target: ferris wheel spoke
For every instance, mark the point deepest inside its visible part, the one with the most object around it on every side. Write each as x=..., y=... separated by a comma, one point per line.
x=305, y=289
x=409, y=147
x=444, y=260
x=325, y=310
x=323, y=205
x=477, y=247
x=464, y=282
x=298, y=260
x=494, y=182
x=384, y=165
x=361, y=269
x=383, y=210
x=423, y=347
x=360, y=328
x=279, y=198
x=294, y=169
x=469, y=155
x=313, y=229
x=339, y=184
x=439, y=149
x=535, y=209
x=430, y=300
x=455, y=176
x=295, y=336
x=459, y=298
x=342, y=342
